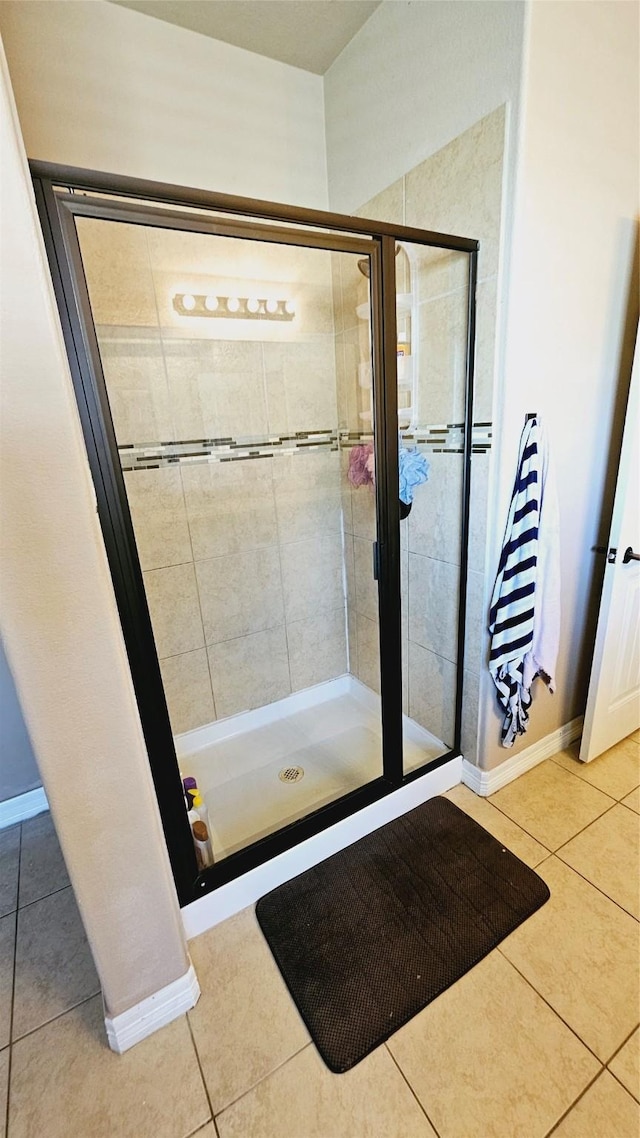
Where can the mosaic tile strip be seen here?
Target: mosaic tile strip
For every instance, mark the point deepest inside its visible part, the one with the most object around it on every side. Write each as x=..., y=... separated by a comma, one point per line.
x=445, y=438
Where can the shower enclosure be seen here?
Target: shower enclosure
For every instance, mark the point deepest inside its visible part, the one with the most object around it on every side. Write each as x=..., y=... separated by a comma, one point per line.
x=258, y=385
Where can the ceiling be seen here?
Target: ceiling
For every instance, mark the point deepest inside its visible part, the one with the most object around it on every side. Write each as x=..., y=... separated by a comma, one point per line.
x=305, y=33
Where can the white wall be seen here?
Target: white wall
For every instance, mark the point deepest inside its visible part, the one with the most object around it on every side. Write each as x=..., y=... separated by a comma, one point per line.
x=61, y=629
x=414, y=77
x=570, y=288
x=103, y=87
x=18, y=767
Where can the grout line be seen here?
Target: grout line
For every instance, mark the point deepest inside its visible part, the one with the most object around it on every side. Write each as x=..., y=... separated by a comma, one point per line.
x=583, y=1092
x=623, y=1044
x=44, y=897
x=13, y=988
x=204, y=1081
x=549, y=1005
x=264, y=1077
x=519, y=824
x=33, y=1030
x=598, y=888
x=621, y=1084
x=395, y=1061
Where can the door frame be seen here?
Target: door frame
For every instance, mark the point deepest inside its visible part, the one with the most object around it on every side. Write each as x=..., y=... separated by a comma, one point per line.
x=62, y=195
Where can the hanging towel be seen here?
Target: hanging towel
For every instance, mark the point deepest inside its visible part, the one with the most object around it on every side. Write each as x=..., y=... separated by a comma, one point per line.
x=524, y=618
x=413, y=469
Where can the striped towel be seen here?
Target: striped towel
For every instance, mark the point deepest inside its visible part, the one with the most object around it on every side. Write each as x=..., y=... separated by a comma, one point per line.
x=524, y=617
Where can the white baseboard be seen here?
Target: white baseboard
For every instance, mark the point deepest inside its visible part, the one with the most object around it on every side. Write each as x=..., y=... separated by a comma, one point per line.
x=157, y=1010
x=23, y=806
x=487, y=782
x=208, y=911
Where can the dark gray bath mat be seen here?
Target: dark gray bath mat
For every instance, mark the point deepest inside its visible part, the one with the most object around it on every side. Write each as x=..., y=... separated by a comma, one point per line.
x=370, y=936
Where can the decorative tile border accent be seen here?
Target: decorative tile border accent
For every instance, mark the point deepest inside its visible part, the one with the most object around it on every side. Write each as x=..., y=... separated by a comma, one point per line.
x=446, y=438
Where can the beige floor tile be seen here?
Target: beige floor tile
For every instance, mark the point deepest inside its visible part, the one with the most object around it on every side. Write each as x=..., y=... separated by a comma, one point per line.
x=526, y=848
x=4, y=1089
x=616, y=772
x=605, y=1111
x=65, y=1081
x=533, y=1066
x=626, y=1064
x=551, y=804
x=245, y=1023
x=580, y=952
x=9, y=863
x=7, y=947
x=635, y=735
x=633, y=800
x=303, y=1099
x=54, y=966
x=42, y=868
x=607, y=853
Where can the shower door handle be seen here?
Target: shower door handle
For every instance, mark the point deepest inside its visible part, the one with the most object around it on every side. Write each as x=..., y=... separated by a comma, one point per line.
x=376, y=560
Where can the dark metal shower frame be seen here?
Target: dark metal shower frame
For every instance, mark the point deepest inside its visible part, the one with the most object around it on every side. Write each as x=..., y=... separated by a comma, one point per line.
x=62, y=194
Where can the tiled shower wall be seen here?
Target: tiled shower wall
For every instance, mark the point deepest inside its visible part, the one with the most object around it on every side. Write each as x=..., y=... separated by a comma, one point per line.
x=457, y=190
x=242, y=558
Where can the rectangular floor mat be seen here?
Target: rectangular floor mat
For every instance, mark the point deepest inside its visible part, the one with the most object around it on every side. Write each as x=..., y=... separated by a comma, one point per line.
x=370, y=936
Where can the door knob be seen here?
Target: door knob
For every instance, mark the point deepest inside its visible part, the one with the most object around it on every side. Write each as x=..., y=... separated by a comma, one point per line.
x=629, y=555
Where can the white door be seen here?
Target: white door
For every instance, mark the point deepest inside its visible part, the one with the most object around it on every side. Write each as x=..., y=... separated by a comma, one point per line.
x=613, y=702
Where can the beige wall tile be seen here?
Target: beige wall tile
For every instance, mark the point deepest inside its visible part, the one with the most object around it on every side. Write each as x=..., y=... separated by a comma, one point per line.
x=240, y=594
x=478, y=507
x=433, y=605
x=580, y=952
x=476, y=618
x=363, y=507
x=184, y=363
x=304, y=1098
x=459, y=189
x=4, y=1082
x=469, y=726
x=230, y=506
x=245, y=1023
x=502, y=828
x=312, y=576
x=54, y=966
x=138, y=392
x=551, y=804
x=301, y=385
x=486, y=323
x=159, y=517
x=442, y=336
x=435, y=519
x=607, y=853
x=307, y=494
x=249, y=671
x=172, y=597
x=366, y=586
x=65, y=1080
x=432, y=692
x=492, y=1011
x=368, y=637
x=317, y=649
x=606, y=1110
x=231, y=391
x=626, y=1064
x=187, y=689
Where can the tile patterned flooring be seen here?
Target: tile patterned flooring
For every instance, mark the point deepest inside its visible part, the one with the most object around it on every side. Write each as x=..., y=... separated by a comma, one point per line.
x=541, y=1038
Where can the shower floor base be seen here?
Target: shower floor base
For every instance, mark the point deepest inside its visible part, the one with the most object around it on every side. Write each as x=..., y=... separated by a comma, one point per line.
x=263, y=769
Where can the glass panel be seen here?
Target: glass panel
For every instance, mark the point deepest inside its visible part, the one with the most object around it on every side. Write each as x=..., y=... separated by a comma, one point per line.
x=432, y=293
x=239, y=380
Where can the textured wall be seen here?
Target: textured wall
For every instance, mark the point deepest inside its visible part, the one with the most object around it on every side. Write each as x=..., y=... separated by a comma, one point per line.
x=62, y=633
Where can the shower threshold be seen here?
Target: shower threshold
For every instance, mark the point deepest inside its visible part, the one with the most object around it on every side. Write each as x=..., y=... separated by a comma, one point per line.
x=263, y=769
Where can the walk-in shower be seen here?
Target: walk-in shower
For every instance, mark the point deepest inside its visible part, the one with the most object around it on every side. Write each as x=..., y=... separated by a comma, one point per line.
x=263, y=390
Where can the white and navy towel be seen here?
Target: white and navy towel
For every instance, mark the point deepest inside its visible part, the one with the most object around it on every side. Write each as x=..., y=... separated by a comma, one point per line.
x=524, y=619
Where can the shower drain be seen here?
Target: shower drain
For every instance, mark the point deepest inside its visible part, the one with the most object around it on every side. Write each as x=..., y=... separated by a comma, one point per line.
x=291, y=774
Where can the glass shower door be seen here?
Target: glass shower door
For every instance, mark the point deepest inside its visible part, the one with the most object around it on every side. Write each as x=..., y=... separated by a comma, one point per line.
x=238, y=375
